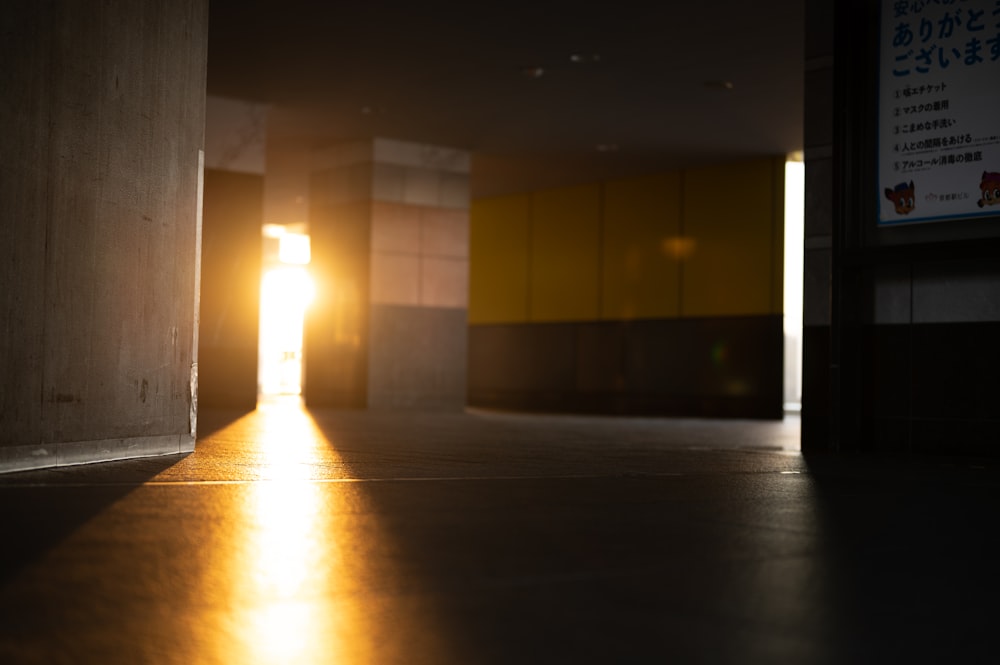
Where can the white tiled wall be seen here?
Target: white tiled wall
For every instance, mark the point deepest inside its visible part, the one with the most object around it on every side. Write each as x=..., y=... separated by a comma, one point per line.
x=422, y=187
x=436, y=158
x=419, y=198
x=420, y=255
x=957, y=293
x=395, y=227
x=395, y=279
x=444, y=232
x=388, y=182
x=444, y=282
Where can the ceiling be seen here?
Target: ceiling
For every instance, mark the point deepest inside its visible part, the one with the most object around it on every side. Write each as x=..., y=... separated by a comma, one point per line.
x=543, y=94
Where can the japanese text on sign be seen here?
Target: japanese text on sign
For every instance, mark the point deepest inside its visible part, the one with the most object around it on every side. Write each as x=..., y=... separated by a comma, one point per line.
x=939, y=130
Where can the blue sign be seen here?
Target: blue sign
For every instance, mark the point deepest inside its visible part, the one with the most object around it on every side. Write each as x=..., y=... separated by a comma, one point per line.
x=939, y=110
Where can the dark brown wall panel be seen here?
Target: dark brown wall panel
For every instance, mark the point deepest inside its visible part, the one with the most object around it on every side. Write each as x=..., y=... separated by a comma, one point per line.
x=230, y=289
x=712, y=367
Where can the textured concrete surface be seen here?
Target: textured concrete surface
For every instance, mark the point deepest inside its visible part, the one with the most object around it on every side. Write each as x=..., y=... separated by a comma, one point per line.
x=102, y=118
x=365, y=537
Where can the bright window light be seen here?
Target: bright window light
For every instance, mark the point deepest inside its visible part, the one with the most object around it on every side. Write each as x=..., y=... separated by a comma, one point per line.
x=794, y=247
x=293, y=248
x=286, y=291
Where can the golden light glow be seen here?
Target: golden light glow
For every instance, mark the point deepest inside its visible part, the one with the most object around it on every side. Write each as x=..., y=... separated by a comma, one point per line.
x=285, y=551
x=302, y=567
x=678, y=247
x=284, y=296
x=293, y=248
x=286, y=291
x=281, y=633
x=794, y=252
x=281, y=566
x=292, y=441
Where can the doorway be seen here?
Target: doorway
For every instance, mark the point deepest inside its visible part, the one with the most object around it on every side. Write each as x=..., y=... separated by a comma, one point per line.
x=285, y=293
x=794, y=239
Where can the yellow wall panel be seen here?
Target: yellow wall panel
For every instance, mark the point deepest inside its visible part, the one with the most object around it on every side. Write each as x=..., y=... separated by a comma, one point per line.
x=729, y=221
x=642, y=247
x=701, y=242
x=498, y=260
x=566, y=254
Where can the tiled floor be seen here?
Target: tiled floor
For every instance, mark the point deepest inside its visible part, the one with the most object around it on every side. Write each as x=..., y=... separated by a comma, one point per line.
x=366, y=537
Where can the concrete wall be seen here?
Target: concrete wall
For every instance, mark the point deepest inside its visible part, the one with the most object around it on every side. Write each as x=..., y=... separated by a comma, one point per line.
x=389, y=230
x=101, y=129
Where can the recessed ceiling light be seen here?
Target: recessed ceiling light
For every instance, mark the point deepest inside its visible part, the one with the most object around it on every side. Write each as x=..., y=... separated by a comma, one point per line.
x=533, y=72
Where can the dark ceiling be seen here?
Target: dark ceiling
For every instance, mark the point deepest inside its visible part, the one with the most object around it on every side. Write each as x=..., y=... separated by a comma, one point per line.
x=624, y=88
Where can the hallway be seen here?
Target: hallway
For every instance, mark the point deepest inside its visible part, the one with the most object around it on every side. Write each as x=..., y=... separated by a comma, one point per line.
x=375, y=537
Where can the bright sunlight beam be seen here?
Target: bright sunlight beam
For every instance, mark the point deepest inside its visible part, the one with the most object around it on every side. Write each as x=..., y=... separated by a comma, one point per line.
x=794, y=233
x=286, y=291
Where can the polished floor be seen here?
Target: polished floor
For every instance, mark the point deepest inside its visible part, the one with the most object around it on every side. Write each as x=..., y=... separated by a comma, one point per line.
x=362, y=537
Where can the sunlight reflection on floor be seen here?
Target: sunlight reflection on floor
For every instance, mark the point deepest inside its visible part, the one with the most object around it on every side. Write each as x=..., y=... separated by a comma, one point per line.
x=288, y=576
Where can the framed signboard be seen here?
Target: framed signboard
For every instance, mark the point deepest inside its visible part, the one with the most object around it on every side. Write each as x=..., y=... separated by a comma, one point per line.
x=939, y=110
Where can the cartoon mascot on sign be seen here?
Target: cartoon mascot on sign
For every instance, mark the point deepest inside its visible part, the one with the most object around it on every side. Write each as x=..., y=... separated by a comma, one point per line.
x=991, y=189
x=903, y=197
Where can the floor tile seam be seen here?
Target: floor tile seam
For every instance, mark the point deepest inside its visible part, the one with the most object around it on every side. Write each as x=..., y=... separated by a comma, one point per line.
x=668, y=566
x=406, y=479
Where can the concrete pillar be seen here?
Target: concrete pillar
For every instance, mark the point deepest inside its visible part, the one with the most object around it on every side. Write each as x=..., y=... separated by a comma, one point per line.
x=818, y=234
x=101, y=131
x=390, y=226
x=235, y=137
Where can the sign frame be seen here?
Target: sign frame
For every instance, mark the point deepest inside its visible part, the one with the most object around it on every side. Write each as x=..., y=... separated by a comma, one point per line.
x=938, y=131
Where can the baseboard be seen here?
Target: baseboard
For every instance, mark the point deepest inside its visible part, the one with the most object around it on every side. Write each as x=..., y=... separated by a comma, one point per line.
x=48, y=455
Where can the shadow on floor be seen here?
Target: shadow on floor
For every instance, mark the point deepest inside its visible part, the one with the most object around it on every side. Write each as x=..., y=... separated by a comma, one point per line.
x=911, y=549
x=39, y=509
